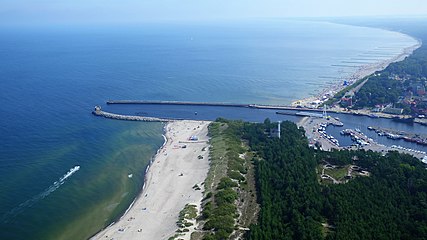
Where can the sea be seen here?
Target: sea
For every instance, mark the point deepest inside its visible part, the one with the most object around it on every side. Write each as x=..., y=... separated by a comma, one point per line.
x=66, y=174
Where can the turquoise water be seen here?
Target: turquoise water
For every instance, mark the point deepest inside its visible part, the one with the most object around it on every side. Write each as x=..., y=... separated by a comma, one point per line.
x=51, y=78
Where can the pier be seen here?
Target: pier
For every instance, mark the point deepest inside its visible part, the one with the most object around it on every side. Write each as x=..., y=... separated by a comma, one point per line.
x=315, y=131
x=253, y=106
x=98, y=112
x=176, y=103
x=396, y=135
x=215, y=104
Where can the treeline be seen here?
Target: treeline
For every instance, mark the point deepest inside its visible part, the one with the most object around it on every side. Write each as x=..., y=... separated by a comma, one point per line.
x=288, y=192
x=390, y=204
x=379, y=89
x=414, y=65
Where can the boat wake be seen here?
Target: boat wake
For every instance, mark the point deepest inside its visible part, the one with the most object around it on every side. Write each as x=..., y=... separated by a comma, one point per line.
x=30, y=202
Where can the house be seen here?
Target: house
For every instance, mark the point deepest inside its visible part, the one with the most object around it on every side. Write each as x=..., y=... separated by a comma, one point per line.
x=346, y=101
x=378, y=108
x=420, y=90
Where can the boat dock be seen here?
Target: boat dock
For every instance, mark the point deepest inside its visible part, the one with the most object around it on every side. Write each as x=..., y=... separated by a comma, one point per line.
x=364, y=142
x=315, y=132
x=315, y=128
x=394, y=134
x=100, y=113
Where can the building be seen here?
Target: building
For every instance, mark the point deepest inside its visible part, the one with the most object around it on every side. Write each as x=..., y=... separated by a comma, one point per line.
x=346, y=101
x=395, y=111
x=421, y=90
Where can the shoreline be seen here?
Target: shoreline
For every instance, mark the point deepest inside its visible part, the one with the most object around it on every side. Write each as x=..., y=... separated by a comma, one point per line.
x=335, y=87
x=362, y=72
x=121, y=216
x=154, y=200
x=143, y=185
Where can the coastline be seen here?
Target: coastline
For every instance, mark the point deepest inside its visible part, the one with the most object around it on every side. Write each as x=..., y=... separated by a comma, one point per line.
x=167, y=185
x=360, y=73
x=128, y=220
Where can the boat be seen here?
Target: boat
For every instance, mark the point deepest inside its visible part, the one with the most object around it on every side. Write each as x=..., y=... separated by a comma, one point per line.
x=393, y=136
x=338, y=124
x=345, y=132
x=373, y=116
x=409, y=120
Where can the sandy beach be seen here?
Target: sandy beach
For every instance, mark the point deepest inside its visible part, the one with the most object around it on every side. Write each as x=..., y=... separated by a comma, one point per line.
x=169, y=182
x=360, y=73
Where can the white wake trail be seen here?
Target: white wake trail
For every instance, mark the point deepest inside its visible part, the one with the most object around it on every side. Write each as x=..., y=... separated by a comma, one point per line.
x=30, y=202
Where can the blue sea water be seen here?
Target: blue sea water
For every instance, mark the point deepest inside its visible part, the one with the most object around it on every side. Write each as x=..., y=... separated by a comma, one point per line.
x=50, y=79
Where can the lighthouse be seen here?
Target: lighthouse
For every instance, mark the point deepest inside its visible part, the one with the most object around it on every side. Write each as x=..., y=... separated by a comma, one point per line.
x=278, y=129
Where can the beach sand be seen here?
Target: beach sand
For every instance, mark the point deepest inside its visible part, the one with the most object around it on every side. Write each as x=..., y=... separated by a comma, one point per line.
x=360, y=73
x=168, y=186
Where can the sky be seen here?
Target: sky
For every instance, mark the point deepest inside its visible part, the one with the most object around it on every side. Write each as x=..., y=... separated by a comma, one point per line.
x=135, y=11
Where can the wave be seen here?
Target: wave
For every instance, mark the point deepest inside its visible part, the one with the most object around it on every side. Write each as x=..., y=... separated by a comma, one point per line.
x=30, y=202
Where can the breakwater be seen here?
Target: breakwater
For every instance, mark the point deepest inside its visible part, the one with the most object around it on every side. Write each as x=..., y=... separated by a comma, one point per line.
x=176, y=103
x=98, y=112
x=214, y=104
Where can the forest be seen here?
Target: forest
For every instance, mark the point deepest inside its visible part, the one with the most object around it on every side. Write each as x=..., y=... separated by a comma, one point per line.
x=379, y=89
x=389, y=204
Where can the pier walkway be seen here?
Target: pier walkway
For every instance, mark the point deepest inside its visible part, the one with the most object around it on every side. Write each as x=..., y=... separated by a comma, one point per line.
x=176, y=103
x=214, y=104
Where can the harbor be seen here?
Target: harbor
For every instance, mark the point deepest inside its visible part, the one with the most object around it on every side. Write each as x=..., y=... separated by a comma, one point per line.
x=283, y=108
x=361, y=141
x=406, y=136
x=316, y=132
x=322, y=128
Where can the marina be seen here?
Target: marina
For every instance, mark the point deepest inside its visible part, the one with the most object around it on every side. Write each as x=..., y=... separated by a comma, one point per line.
x=318, y=124
x=395, y=134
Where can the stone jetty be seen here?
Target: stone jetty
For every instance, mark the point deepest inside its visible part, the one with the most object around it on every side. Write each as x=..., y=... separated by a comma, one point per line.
x=98, y=112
